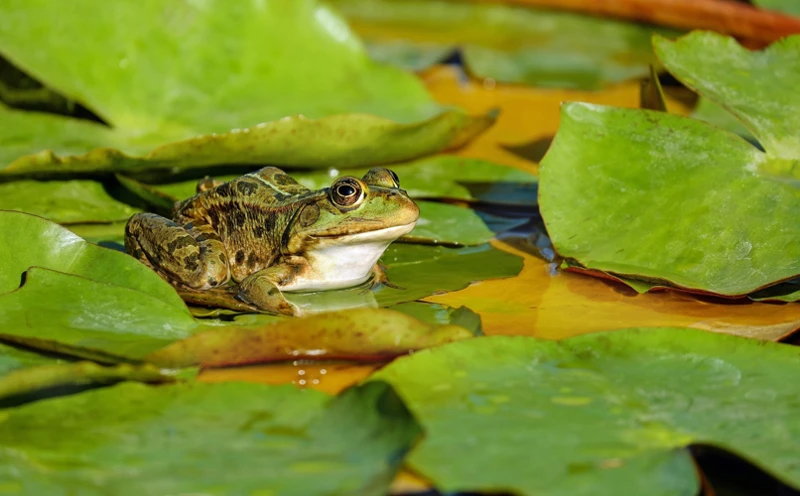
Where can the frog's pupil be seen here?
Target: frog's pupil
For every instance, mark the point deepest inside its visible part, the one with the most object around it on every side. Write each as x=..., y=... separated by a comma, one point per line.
x=346, y=190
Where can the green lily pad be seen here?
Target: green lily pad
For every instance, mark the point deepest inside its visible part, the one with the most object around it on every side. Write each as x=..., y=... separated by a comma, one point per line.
x=785, y=292
x=12, y=358
x=166, y=89
x=622, y=191
x=64, y=202
x=86, y=313
x=23, y=382
x=365, y=334
x=506, y=43
x=27, y=241
x=719, y=68
x=603, y=413
x=707, y=110
x=788, y=6
x=230, y=438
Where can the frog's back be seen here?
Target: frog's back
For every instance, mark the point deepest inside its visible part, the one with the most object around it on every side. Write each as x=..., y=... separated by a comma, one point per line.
x=249, y=215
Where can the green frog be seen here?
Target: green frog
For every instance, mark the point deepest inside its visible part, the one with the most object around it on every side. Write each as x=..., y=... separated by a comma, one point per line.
x=269, y=234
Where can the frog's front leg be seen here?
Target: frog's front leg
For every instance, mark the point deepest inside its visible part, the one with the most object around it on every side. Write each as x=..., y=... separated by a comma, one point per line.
x=191, y=255
x=379, y=277
x=262, y=288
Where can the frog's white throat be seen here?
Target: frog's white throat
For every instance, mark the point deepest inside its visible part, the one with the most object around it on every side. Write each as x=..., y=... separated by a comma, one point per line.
x=345, y=261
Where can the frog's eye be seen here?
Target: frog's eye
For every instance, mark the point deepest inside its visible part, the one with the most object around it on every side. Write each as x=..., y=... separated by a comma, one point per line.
x=347, y=192
x=384, y=178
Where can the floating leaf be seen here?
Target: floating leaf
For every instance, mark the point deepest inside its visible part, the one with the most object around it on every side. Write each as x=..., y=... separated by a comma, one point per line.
x=155, y=75
x=788, y=6
x=196, y=438
x=64, y=201
x=506, y=43
x=27, y=240
x=86, y=313
x=360, y=334
x=14, y=358
x=786, y=292
x=623, y=191
x=707, y=110
x=607, y=413
x=719, y=68
x=22, y=382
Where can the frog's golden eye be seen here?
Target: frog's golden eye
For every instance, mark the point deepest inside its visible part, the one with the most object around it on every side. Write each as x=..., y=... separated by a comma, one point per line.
x=347, y=193
x=384, y=178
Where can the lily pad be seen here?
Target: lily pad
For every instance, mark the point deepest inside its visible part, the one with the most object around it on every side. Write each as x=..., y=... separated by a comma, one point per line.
x=231, y=438
x=64, y=202
x=12, y=358
x=719, y=68
x=506, y=43
x=23, y=382
x=27, y=240
x=155, y=76
x=82, y=312
x=622, y=191
x=788, y=6
x=607, y=413
x=360, y=334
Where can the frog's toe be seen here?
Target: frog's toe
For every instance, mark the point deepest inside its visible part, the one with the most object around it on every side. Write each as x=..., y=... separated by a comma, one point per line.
x=268, y=299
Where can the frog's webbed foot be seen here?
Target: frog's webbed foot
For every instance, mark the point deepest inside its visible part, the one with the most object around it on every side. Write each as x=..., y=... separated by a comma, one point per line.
x=379, y=278
x=261, y=290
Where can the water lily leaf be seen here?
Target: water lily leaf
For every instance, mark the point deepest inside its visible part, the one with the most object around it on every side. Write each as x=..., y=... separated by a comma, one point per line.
x=719, y=68
x=426, y=270
x=788, y=6
x=785, y=292
x=614, y=179
x=364, y=334
x=27, y=240
x=506, y=43
x=23, y=382
x=607, y=412
x=12, y=358
x=232, y=438
x=707, y=110
x=155, y=77
x=64, y=201
x=87, y=313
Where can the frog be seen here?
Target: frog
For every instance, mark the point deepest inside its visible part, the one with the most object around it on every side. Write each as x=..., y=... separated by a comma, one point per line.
x=265, y=234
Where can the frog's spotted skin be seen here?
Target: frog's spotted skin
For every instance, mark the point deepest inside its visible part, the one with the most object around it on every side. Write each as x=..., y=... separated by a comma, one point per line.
x=269, y=234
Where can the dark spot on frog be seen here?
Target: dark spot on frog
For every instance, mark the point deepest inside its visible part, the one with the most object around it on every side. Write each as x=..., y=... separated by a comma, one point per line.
x=252, y=259
x=192, y=262
x=179, y=242
x=188, y=226
x=246, y=188
x=258, y=231
x=283, y=179
x=201, y=237
x=239, y=257
x=212, y=281
x=281, y=197
x=225, y=190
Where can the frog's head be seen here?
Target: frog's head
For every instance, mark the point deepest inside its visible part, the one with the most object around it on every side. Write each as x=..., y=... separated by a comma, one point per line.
x=371, y=210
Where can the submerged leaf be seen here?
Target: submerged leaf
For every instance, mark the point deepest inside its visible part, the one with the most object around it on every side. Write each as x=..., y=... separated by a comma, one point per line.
x=358, y=334
x=165, y=89
x=233, y=438
x=506, y=43
x=607, y=413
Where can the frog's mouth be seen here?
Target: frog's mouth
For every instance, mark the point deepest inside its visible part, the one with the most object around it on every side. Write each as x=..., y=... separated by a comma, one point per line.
x=385, y=234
